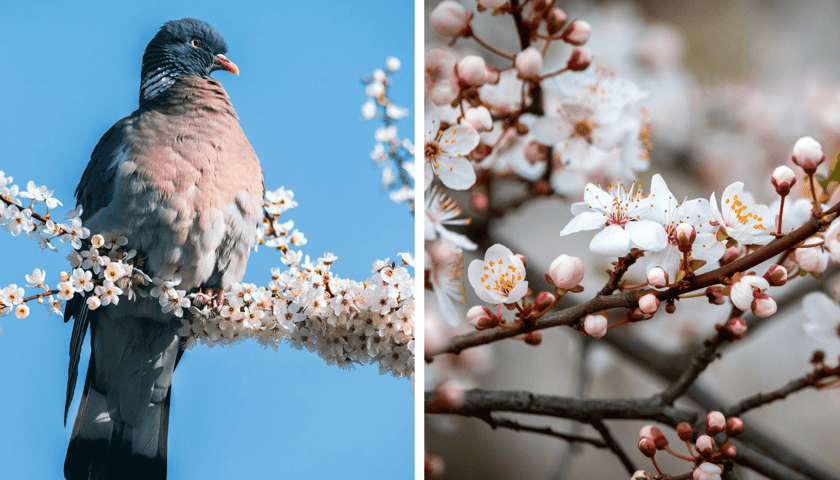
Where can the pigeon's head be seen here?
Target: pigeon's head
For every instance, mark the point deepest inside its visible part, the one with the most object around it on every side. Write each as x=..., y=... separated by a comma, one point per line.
x=186, y=47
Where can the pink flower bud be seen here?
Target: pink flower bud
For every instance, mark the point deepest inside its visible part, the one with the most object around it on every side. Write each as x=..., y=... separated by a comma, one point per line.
x=812, y=259
x=577, y=33
x=544, y=301
x=482, y=318
x=715, y=423
x=685, y=234
x=808, y=154
x=734, y=426
x=555, y=20
x=715, y=294
x=783, y=178
x=736, y=327
x=707, y=471
x=647, y=447
x=566, y=272
x=491, y=76
x=652, y=433
x=648, y=431
x=528, y=63
x=580, y=59
x=733, y=253
x=471, y=70
x=649, y=303
x=705, y=445
x=776, y=276
x=433, y=466
x=533, y=338
x=684, y=431
x=448, y=395
x=763, y=306
x=595, y=325
x=657, y=277
x=479, y=118
x=742, y=293
x=522, y=259
x=535, y=152
x=450, y=19
x=728, y=452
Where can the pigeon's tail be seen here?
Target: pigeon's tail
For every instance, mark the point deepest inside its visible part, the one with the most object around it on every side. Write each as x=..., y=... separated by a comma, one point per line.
x=121, y=429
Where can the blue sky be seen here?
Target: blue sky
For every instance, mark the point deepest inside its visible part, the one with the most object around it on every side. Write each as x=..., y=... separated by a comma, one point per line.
x=70, y=72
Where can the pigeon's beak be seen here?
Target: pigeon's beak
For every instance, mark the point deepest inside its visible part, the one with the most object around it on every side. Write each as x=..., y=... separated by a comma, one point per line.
x=227, y=64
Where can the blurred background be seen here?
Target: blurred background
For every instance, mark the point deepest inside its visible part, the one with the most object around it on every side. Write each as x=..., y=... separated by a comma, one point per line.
x=732, y=86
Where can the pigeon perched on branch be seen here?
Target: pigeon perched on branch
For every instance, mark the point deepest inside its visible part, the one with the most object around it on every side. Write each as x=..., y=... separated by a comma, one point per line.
x=179, y=179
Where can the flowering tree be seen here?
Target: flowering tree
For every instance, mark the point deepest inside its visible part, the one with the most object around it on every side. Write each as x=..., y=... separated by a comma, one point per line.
x=524, y=124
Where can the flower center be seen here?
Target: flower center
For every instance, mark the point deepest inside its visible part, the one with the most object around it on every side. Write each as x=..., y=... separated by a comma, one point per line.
x=432, y=151
x=742, y=215
x=502, y=282
x=584, y=129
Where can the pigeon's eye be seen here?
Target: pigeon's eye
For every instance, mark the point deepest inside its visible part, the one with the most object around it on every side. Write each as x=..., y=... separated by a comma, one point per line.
x=195, y=42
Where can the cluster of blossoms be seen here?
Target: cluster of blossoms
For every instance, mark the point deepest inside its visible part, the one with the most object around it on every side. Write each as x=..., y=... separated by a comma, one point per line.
x=540, y=116
x=393, y=155
x=702, y=453
x=344, y=321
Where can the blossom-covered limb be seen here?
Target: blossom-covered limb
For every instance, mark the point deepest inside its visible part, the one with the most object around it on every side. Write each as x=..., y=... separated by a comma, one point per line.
x=571, y=316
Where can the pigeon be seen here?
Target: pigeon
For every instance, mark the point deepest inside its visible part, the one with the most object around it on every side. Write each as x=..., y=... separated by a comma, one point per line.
x=178, y=179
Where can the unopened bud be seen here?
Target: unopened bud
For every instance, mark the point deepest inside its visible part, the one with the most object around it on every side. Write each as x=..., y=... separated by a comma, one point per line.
x=471, y=70
x=705, y=445
x=716, y=295
x=685, y=234
x=776, y=275
x=577, y=33
x=734, y=426
x=640, y=475
x=433, y=466
x=482, y=318
x=544, y=301
x=707, y=471
x=657, y=277
x=783, y=178
x=448, y=395
x=595, y=325
x=732, y=253
x=479, y=118
x=533, y=338
x=736, y=327
x=566, y=272
x=763, y=306
x=450, y=19
x=670, y=308
x=491, y=76
x=555, y=20
x=647, y=447
x=812, y=259
x=715, y=423
x=649, y=303
x=808, y=154
x=728, y=452
x=684, y=431
x=580, y=59
x=528, y=63
x=522, y=259
x=650, y=431
x=536, y=152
